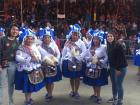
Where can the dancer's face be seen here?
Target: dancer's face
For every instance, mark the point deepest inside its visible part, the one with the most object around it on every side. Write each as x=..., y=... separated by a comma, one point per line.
x=47, y=39
x=75, y=36
x=29, y=40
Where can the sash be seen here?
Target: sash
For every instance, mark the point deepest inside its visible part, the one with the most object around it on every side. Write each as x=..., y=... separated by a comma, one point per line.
x=94, y=69
x=36, y=76
x=29, y=51
x=93, y=72
x=49, y=70
x=75, y=64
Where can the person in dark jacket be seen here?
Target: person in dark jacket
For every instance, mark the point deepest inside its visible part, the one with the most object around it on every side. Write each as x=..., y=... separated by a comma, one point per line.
x=8, y=47
x=118, y=67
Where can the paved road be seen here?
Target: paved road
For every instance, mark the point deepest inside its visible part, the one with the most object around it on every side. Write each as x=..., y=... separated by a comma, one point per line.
x=131, y=86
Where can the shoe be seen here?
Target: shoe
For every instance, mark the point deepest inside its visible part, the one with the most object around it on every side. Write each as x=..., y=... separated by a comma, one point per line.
x=11, y=102
x=98, y=100
x=77, y=96
x=110, y=100
x=46, y=95
x=92, y=97
x=119, y=102
x=27, y=103
x=49, y=98
x=31, y=101
x=115, y=102
x=71, y=94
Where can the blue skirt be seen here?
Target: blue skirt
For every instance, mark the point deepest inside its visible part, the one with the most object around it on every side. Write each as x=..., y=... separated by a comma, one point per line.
x=22, y=83
x=100, y=81
x=72, y=74
x=137, y=60
x=57, y=77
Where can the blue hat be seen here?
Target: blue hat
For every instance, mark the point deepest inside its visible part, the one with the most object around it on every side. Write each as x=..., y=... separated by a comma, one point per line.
x=47, y=32
x=76, y=28
x=90, y=31
x=21, y=34
x=73, y=28
x=40, y=32
x=52, y=33
x=69, y=34
x=26, y=32
x=2, y=29
x=96, y=32
x=101, y=34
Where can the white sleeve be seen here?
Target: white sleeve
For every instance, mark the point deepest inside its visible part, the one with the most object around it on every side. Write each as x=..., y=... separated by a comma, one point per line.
x=66, y=53
x=104, y=61
x=83, y=48
x=42, y=51
x=57, y=51
x=86, y=55
x=21, y=58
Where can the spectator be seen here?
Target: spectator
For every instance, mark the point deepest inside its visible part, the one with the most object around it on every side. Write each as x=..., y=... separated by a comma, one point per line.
x=8, y=46
x=118, y=68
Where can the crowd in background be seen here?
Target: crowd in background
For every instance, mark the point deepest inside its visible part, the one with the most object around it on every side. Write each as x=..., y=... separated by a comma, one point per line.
x=110, y=14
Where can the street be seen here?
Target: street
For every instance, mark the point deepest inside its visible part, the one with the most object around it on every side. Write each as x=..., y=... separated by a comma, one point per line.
x=62, y=89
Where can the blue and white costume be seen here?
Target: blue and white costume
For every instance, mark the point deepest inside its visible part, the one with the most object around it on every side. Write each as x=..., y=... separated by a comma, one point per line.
x=96, y=74
x=137, y=52
x=87, y=40
x=137, y=57
x=50, y=54
x=2, y=32
x=28, y=68
x=72, y=62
